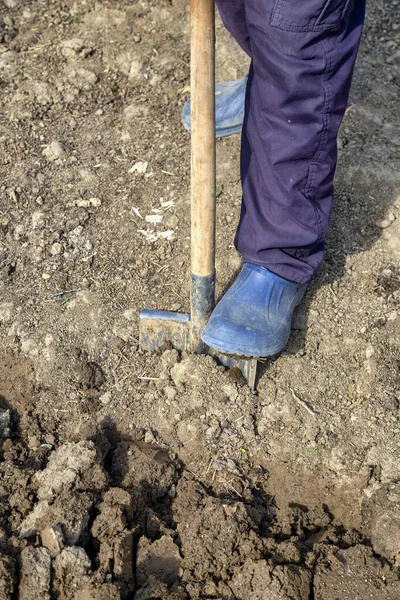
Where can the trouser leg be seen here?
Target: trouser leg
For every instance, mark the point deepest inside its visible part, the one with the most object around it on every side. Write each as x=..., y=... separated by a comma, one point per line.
x=234, y=18
x=303, y=54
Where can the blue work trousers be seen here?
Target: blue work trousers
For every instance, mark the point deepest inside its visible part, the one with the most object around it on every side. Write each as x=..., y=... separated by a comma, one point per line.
x=302, y=58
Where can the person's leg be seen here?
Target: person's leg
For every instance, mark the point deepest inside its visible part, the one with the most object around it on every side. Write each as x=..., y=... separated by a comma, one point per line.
x=230, y=95
x=233, y=15
x=303, y=55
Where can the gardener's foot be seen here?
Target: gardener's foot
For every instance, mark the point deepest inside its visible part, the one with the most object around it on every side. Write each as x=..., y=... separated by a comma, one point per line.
x=229, y=108
x=254, y=317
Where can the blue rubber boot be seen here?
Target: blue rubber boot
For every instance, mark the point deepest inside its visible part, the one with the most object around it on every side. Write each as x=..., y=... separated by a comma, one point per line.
x=229, y=108
x=254, y=317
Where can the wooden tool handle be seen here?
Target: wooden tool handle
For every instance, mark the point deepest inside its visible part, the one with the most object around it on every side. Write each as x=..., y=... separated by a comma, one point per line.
x=202, y=86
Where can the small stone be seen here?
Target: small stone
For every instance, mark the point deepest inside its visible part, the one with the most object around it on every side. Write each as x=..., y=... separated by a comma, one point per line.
x=105, y=398
x=82, y=78
x=46, y=276
x=52, y=539
x=37, y=219
x=33, y=442
x=47, y=447
x=394, y=498
x=172, y=222
x=135, y=69
x=7, y=445
x=5, y=312
x=385, y=223
x=170, y=392
x=213, y=432
x=55, y=249
x=379, y=322
x=54, y=151
x=387, y=272
x=95, y=202
x=81, y=203
x=71, y=47
x=149, y=438
x=369, y=352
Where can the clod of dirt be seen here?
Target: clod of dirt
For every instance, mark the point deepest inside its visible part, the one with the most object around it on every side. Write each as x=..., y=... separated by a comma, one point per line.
x=382, y=521
x=6, y=578
x=72, y=513
x=184, y=373
x=286, y=582
x=228, y=533
x=159, y=560
x=155, y=590
x=71, y=569
x=73, y=469
x=72, y=466
x=35, y=574
x=105, y=591
x=33, y=522
x=146, y=470
x=116, y=553
x=124, y=556
x=76, y=47
x=54, y=151
x=154, y=526
x=354, y=573
x=87, y=375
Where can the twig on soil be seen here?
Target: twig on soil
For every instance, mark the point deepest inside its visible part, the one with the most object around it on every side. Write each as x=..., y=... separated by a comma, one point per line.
x=122, y=355
x=66, y=292
x=149, y=378
x=355, y=404
x=302, y=403
x=106, y=103
x=193, y=473
x=230, y=488
x=61, y=273
x=119, y=381
x=209, y=465
x=74, y=291
x=39, y=46
x=330, y=288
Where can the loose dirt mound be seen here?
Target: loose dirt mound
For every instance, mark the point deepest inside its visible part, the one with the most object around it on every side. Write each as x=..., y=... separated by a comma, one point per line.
x=115, y=520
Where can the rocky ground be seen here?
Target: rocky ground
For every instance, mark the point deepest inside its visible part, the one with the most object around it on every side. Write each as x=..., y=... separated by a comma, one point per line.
x=126, y=475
